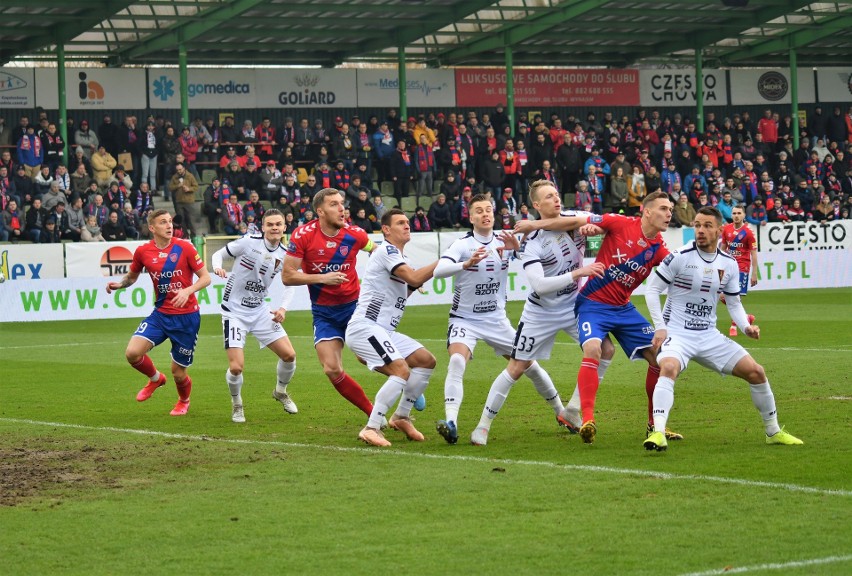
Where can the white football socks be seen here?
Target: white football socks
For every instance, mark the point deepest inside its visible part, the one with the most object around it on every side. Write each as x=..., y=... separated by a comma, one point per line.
x=414, y=387
x=235, y=385
x=496, y=397
x=285, y=374
x=453, y=388
x=544, y=386
x=663, y=401
x=764, y=401
x=386, y=397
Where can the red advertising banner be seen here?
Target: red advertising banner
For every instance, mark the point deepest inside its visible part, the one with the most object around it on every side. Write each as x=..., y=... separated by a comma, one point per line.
x=548, y=87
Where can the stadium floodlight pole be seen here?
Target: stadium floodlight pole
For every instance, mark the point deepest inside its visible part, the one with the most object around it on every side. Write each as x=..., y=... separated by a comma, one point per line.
x=699, y=88
x=184, y=89
x=794, y=94
x=403, y=84
x=63, y=104
x=510, y=87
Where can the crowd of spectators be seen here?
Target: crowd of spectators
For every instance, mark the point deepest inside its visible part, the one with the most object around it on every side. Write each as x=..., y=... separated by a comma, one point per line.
x=104, y=190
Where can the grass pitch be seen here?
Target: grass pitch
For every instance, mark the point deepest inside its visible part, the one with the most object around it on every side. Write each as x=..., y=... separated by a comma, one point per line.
x=92, y=482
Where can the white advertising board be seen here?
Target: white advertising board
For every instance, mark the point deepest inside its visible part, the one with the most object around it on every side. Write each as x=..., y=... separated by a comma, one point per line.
x=206, y=88
x=17, y=89
x=678, y=87
x=835, y=84
x=835, y=235
x=92, y=88
x=98, y=259
x=435, y=88
x=31, y=261
x=770, y=86
x=307, y=88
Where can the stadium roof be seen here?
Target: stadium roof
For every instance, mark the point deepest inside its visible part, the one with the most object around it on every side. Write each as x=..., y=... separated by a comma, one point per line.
x=433, y=32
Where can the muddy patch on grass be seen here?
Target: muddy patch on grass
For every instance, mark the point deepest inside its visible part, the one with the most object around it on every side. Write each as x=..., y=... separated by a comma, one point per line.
x=31, y=472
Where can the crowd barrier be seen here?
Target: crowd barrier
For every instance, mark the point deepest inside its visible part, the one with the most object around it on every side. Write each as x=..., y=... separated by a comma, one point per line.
x=68, y=281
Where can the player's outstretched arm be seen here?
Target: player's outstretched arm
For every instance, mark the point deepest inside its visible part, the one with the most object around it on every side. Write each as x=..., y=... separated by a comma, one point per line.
x=447, y=267
x=128, y=280
x=653, y=290
x=565, y=223
x=544, y=285
x=415, y=277
x=739, y=316
x=217, y=261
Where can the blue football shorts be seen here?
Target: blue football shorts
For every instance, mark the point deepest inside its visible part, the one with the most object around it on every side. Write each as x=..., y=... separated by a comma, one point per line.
x=330, y=321
x=595, y=320
x=180, y=329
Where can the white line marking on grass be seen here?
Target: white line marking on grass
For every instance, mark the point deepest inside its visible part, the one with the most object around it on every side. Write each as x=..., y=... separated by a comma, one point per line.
x=457, y=457
x=773, y=566
x=840, y=397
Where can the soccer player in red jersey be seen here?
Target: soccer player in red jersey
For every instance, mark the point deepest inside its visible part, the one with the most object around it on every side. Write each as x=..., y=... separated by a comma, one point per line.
x=171, y=263
x=630, y=250
x=322, y=255
x=738, y=240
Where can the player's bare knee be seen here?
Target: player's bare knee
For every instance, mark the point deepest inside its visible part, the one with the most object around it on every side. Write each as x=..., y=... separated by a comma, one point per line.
x=592, y=349
x=516, y=368
x=133, y=356
x=607, y=349
x=398, y=368
x=669, y=368
x=757, y=375
x=332, y=372
x=236, y=368
x=421, y=358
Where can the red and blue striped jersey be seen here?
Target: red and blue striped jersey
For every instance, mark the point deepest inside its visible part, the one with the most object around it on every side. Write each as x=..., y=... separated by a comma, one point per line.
x=629, y=258
x=171, y=270
x=740, y=244
x=321, y=254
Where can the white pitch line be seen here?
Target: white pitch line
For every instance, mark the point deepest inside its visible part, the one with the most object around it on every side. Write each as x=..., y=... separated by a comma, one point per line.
x=441, y=340
x=773, y=566
x=457, y=458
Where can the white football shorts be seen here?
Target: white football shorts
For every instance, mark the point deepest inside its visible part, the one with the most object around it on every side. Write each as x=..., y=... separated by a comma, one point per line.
x=236, y=329
x=498, y=334
x=537, y=331
x=709, y=348
x=378, y=347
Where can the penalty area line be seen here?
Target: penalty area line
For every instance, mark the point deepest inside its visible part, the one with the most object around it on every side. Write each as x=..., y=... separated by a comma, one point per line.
x=448, y=457
x=773, y=566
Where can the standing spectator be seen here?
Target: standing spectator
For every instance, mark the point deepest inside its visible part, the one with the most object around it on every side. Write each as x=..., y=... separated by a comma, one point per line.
x=424, y=164
x=214, y=199
x=54, y=147
x=768, y=128
x=149, y=149
x=818, y=124
x=85, y=140
x=143, y=203
x=364, y=147
x=383, y=148
x=76, y=220
x=183, y=187
x=618, y=191
x=401, y=171
x=493, y=174
x=108, y=135
x=128, y=142
x=189, y=149
x=264, y=135
x=30, y=152
x=103, y=163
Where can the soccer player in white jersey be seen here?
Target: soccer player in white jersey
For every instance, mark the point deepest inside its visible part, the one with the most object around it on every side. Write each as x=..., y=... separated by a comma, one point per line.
x=686, y=330
x=553, y=264
x=480, y=263
x=371, y=332
x=257, y=261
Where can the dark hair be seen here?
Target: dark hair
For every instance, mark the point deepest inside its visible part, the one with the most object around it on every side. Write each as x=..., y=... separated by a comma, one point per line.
x=388, y=216
x=711, y=211
x=271, y=212
x=479, y=198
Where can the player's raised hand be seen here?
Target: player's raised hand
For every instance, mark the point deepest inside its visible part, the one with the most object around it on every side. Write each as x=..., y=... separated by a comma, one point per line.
x=659, y=337
x=220, y=272
x=595, y=270
x=510, y=241
x=278, y=315
x=525, y=227
x=752, y=331
x=334, y=278
x=590, y=230
x=475, y=258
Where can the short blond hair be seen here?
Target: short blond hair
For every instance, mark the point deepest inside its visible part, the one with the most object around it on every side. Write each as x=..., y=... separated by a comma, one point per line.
x=537, y=185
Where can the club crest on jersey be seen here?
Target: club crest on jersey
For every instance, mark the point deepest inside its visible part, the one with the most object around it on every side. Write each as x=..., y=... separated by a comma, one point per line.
x=648, y=255
x=344, y=250
x=173, y=257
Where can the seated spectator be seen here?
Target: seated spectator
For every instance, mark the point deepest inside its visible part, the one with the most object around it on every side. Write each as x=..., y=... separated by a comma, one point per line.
x=726, y=205
x=756, y=213
x=310, y=187
x=683, y=214
x=306, y=217
x=450, y=186
x=113, y=230
x=290, y=223
x=232, y=215
x=795, y=213
x=379, y=208
x=50, y=234
x=255, y=208
x=76, y=220
x=440, y=215
x=42, y=181
x=525, y=213
x=102, y=166
x=91, y=231
x=361, y=221
x=178, y=228
x=130, y=220
x=52, y=197
x=13, y=222
x=505, y=220
x=36, y=218
x=824, y=211
x=419, y=222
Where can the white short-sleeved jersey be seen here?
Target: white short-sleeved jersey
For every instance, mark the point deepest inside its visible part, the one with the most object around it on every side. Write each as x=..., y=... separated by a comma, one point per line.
x=558, y=253
x=383, y=295
x=480, y=291
x=695, y=280
x=256, y=266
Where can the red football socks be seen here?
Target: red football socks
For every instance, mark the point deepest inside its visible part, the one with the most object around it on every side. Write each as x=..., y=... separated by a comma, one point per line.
x=184, y=389
x=651, y=383
x=587, y=381
x=352, y=391
x=146, y=366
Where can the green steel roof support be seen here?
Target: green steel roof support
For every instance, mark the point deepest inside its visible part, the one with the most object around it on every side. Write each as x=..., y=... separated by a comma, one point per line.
x=403, y=85
x=794, y=96
x=212, y=19
x=184, y=88
x=63, y=100
x=515, y=32
x=699, y=89
x=510, y=87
